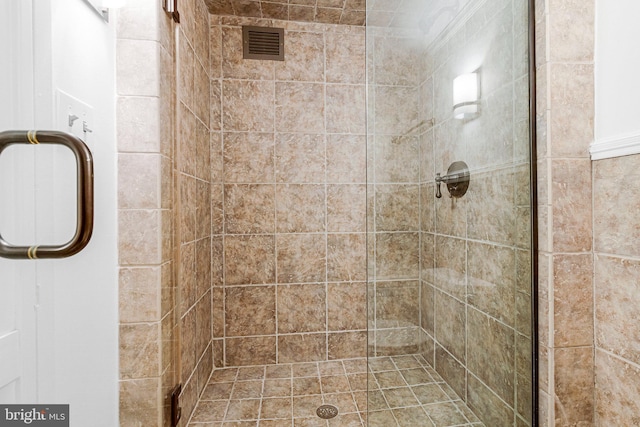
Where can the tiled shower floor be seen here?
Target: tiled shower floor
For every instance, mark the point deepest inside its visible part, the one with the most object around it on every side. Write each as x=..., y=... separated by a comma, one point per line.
x=405, y=391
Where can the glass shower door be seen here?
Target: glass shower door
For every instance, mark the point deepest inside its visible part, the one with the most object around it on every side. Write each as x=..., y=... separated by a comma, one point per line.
x=450, y=283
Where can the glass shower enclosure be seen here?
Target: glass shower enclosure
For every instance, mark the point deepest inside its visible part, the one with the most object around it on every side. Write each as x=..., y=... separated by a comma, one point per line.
x=449, y=215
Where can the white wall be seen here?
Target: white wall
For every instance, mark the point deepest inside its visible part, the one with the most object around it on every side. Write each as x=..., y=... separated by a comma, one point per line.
x=617, y=82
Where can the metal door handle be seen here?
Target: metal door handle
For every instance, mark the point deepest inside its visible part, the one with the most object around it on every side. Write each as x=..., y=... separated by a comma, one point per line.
x=84, y=166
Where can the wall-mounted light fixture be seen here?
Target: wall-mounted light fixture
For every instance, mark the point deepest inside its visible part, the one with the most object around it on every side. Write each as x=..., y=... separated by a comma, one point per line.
x=466, y=96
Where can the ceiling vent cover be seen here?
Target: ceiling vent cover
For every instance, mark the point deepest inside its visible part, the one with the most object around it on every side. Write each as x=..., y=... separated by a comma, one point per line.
x=263, y=43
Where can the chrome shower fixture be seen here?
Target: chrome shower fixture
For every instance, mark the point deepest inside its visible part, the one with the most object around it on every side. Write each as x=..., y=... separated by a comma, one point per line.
x=457, y=180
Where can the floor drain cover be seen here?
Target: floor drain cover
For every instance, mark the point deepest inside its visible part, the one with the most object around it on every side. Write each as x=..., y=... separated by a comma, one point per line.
x=327, y=411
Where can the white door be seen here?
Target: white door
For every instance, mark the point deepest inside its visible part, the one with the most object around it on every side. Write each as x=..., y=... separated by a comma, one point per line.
x=58, y=318
x=17, y=279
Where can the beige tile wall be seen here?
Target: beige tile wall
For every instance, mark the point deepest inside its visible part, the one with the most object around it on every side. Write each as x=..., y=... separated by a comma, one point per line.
x=288, y=155
x=394, y=162
x=195, y=187
x=616, y=277
x=564, y=41
x=164, y=209
x=568, y=336
x=346, y=12
x=145, y=211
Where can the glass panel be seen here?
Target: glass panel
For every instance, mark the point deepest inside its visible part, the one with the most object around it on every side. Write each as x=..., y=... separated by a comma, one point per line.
x=449, y=277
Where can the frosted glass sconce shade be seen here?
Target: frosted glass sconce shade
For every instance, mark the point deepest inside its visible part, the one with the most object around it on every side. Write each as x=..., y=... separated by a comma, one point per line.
x=466, y=96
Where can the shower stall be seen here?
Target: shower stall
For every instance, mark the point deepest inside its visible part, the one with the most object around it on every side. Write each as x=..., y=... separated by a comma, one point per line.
x=371, y=210
x=449, y=213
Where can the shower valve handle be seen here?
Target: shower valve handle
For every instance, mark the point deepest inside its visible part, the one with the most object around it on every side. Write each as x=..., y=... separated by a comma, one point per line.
x=456, y=179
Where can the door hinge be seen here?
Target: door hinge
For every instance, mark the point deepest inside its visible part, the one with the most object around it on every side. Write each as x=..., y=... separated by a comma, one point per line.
x=176, y=410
